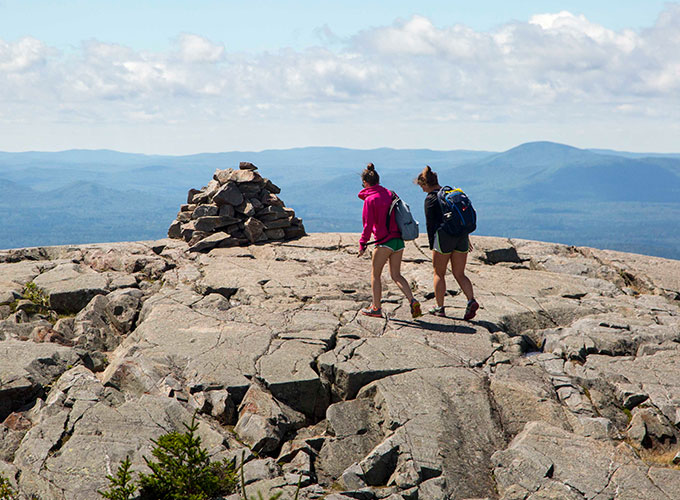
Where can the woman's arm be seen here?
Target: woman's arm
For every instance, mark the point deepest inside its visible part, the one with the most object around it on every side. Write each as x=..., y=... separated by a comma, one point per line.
x=367, y=219
x=433, y=216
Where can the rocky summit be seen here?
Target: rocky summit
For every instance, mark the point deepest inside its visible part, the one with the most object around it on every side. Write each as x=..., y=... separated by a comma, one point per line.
x=565, y=386
x=237, y=207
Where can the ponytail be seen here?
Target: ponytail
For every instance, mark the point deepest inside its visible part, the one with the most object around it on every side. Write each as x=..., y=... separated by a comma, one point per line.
x=427, y=177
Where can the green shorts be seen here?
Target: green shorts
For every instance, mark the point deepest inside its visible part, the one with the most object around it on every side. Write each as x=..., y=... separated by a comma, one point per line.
x=445, y=244
x=395, y=244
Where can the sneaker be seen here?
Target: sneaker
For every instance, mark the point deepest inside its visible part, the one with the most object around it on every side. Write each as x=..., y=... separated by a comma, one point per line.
x=370, y=311
x=471, y=310
x=415, y=309
x=438, y=311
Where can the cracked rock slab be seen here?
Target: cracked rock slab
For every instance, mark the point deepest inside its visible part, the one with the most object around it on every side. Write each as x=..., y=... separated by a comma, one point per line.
x=81, y=418
x=542, y=455
x=444, y=422
x=26, y=368
x=353, y=365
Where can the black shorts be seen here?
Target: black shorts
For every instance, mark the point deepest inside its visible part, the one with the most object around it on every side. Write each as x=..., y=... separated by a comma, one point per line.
x=445, y=244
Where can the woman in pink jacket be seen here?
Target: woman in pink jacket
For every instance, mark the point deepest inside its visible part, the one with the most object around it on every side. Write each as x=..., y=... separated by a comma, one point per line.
x=389, y=245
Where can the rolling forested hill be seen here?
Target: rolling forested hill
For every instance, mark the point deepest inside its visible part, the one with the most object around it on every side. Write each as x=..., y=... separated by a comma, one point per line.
x=540, y=190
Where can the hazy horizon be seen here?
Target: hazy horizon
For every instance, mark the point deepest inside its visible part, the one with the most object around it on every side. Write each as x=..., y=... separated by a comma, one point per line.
x=488, y=150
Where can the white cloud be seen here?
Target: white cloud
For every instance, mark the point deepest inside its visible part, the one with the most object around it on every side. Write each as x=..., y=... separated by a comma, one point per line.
x=578, y=26
x=196, y=49
x=24, y=55
x=557, y=66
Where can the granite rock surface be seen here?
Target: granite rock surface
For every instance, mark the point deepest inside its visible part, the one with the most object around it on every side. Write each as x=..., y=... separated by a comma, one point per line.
x=565, y=386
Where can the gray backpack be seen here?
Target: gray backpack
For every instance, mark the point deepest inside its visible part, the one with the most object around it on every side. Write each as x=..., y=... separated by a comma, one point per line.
x=408, y=226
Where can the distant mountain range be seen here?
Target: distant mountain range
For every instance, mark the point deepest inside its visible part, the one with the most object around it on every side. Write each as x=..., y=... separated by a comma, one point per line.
x=539, y=190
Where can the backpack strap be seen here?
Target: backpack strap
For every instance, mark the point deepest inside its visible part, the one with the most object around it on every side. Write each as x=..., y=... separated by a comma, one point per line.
x=395, y=200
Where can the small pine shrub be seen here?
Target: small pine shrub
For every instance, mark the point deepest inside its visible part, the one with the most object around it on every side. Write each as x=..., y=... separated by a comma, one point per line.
x=183, y=471
x=121, y=486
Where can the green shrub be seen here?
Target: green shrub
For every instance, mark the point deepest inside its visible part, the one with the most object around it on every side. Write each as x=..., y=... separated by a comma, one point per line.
x=121, y=486
x=183, y=470
x=36, y=295
x=6, y=491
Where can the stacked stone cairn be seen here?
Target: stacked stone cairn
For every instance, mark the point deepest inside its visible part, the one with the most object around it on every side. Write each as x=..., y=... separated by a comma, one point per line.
x=237, y=207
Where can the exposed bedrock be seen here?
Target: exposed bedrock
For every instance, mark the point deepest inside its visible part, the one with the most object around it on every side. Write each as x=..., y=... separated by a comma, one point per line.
x=566, y=385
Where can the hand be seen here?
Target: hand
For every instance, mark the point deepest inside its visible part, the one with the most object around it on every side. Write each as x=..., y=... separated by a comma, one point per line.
x=362, y=250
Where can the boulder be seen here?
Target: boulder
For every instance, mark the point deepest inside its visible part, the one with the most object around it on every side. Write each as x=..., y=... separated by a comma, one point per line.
x=210, y=224
x=355, y=429
x=205, y=211
x=546, y=458
x=221, y=239
x=27, y=369
x=254, y=230
x=263, y=421
x=71, y=286
x=228, y=194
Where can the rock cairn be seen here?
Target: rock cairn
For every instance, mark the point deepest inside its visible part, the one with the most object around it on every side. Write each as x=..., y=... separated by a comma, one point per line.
x=237, y=207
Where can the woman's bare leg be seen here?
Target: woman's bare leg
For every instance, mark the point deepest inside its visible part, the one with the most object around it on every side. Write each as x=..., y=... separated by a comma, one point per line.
x=395, y=272
x=378, y=260
x=458, y=261
x=439, y=263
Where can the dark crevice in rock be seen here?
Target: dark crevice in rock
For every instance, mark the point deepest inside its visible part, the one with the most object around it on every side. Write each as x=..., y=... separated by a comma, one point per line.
x=327, y=248
x=496, y=413
x=416, y=261
x=615, y=327
x=158, y=249
x=502, y=255
x=226, y=292
x=633, y=282
x=368, y=377
x=65, y=436
x=19, y=399
x=551, y=470
x=428, y=473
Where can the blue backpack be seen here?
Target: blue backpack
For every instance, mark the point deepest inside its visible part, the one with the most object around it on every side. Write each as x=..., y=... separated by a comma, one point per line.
x=459, y=217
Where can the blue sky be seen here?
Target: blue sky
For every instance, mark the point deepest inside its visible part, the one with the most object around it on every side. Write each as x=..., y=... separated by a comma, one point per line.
x=272, y=24
x=184, y=77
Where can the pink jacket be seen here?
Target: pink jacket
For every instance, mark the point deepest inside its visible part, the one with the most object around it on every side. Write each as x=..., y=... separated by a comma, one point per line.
x=377, y=201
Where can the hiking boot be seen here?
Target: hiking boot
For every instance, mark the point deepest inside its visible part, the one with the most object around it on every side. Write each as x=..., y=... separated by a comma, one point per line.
x=415, y=309
x=370, y=311
x=471, y=310
x=438, y=311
